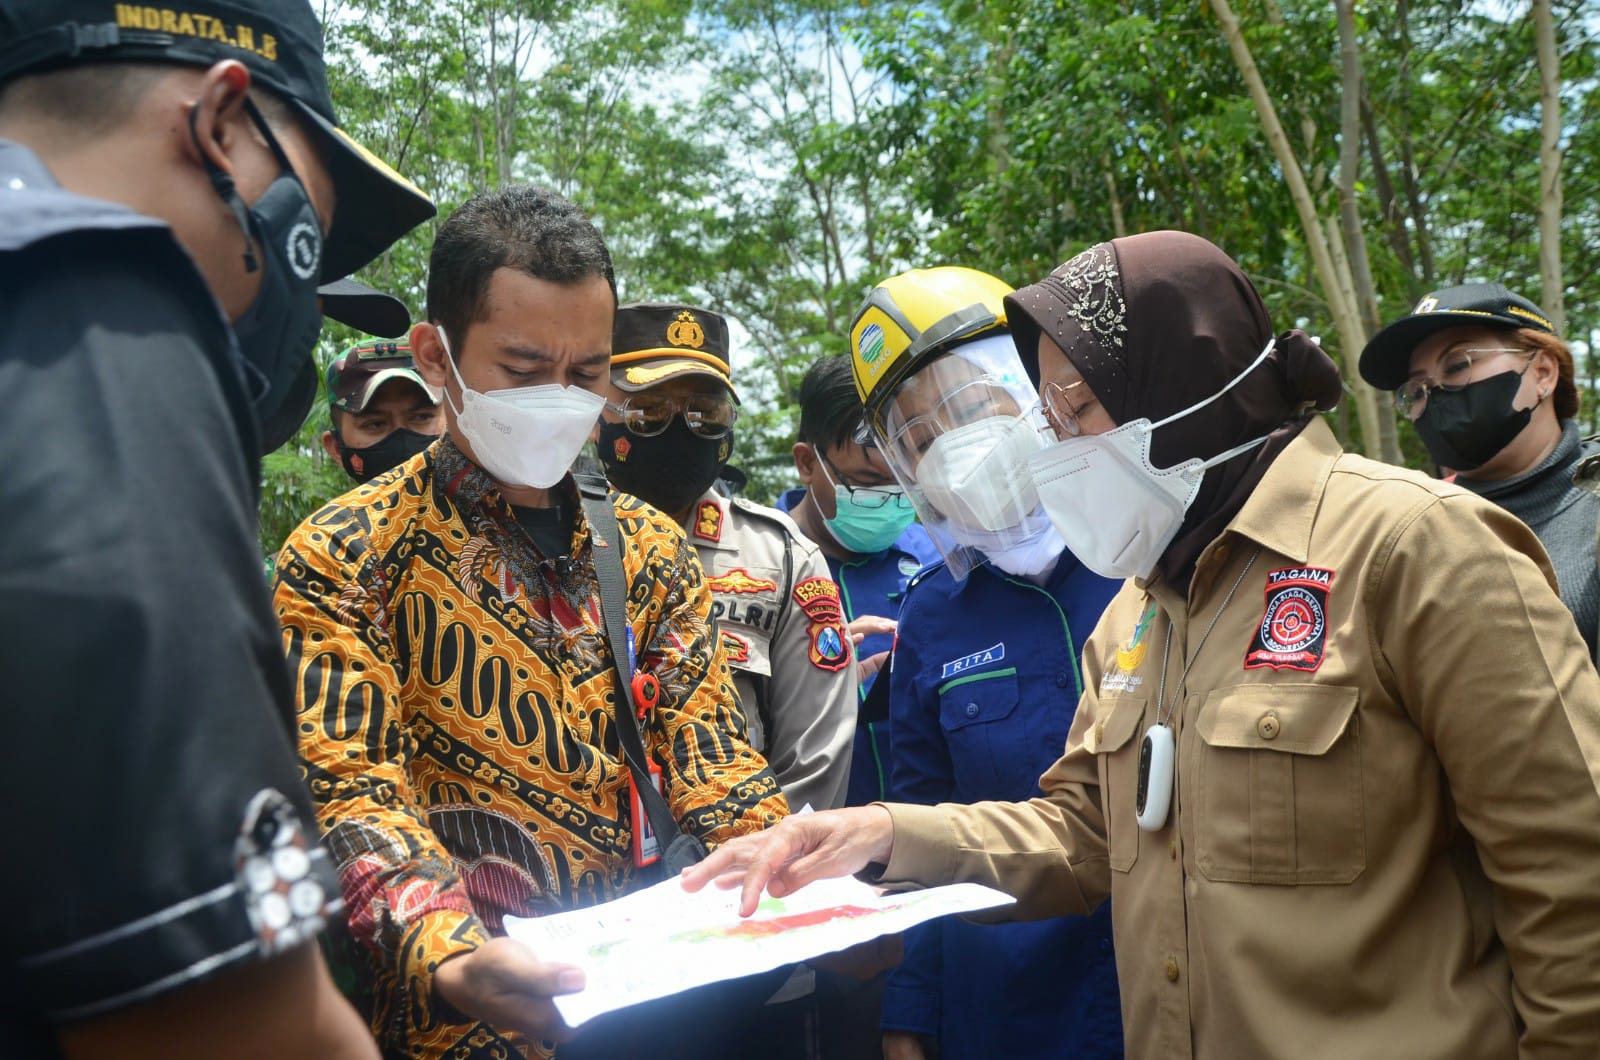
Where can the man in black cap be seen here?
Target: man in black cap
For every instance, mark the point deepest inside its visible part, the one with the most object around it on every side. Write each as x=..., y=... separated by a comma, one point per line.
x=382, y=413
x=173, y=190
x=664, y=437
x=1488, y=384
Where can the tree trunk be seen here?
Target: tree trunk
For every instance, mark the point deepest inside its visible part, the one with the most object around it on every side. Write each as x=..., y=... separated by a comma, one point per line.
x=1362, y=289
x=1552, y=293
x=1346, y=318
x=1119, y=226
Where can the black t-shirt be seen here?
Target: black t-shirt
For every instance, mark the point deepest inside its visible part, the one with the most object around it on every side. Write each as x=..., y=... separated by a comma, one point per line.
x=158, y=831
x=550, y=528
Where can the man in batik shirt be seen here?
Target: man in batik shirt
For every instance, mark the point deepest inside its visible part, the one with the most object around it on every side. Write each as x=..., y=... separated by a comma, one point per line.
x=455, y=685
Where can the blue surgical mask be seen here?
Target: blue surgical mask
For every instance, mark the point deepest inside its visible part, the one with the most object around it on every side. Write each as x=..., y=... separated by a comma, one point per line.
x=867, y=520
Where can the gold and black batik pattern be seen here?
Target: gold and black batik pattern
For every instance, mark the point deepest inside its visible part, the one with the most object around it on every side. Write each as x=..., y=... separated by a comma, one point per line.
x=454, y=691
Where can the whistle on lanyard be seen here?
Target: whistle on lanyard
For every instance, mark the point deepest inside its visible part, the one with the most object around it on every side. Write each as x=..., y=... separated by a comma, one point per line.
x=646, y=686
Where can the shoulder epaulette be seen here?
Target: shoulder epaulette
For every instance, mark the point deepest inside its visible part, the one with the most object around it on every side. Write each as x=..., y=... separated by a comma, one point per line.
x=770, y=515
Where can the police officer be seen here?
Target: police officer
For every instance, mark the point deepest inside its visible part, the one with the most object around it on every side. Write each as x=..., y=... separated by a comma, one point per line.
x=664, y=437
x=172, y=192
x=985, y=673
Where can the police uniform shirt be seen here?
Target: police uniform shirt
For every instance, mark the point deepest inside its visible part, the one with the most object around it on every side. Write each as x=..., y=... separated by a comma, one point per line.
x=873, y=585
x=157, y=819
x=783, y=629
x=1385, y=823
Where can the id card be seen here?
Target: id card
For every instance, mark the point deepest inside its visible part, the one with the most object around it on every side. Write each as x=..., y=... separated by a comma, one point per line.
x=646, y=847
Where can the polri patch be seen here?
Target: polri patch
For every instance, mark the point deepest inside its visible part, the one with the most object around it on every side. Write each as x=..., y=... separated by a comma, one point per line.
x=978, y=658
x=1293, y=633
x=829, y=643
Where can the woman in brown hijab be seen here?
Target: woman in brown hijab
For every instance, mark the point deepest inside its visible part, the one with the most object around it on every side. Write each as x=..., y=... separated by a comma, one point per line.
x=1151, y=325
x=1337, y=763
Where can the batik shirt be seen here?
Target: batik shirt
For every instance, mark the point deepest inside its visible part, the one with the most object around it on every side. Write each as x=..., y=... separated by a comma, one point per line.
x=455, y=695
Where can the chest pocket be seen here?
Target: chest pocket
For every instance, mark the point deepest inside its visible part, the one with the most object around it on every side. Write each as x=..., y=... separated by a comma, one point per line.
x=1279, y=780
x=985, y=739
x=1111, y=740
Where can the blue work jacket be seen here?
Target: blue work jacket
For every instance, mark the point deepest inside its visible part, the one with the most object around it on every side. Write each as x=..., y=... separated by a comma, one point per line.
x=986, y=677
x=873, y=585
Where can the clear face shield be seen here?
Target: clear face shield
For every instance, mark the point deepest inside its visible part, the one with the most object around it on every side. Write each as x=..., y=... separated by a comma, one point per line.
x=957, y=435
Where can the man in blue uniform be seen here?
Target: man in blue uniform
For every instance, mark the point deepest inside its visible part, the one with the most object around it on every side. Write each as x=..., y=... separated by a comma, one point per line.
x=852, y=507
x=985, y=674
x=172, y=192
x=865, y=527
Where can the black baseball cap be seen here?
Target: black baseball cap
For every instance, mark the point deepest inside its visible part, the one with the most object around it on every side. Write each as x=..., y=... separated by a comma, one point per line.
x=364, y=308
x=655, y=341
x=280, y=41
x=1386, y=361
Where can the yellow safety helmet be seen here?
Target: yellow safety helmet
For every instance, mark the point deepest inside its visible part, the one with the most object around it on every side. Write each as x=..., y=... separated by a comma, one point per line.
x=911, y=317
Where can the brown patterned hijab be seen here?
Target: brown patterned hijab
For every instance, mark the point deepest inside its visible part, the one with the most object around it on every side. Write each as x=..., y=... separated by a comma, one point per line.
x=1159, y=321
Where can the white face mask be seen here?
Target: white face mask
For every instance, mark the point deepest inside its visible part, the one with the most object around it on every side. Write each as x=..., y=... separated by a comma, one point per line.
x=976, y=475
x=526, y=435
x=1116, y=511
x=1031, y=556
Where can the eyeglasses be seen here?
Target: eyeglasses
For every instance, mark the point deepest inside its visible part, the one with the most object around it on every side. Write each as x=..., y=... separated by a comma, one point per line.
x=1412, y=397
x=861, y=496
x=1059, y=409
x=971, y=401
x=706, y=415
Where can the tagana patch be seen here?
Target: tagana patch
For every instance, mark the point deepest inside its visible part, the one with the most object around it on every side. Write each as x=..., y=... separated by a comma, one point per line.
x=1293, y=633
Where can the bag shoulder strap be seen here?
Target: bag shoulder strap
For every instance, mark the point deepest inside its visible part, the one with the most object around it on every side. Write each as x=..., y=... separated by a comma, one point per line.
x=606, y=541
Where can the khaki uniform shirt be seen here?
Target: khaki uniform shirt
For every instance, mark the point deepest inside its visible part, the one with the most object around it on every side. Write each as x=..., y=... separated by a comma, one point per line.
x=783, y=630
x=1385, y=832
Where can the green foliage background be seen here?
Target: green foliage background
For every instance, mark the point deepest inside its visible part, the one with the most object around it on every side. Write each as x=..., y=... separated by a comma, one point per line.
x=772, y=159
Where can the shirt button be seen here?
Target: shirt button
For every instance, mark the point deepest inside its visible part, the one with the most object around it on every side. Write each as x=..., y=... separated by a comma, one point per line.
x=1063, y=679
x=1173, y=847
x=1268, y=726
x=972, y=710
x=1221, y=553
x=1171, y=968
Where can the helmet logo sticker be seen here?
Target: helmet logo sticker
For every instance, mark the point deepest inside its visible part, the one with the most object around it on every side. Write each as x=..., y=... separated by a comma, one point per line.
x=871, y=344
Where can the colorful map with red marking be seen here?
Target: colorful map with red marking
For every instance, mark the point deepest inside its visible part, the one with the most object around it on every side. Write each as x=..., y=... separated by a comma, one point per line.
x=663, y=940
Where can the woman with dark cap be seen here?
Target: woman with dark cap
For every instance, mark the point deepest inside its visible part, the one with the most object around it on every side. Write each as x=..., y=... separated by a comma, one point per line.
x=1489, y=386
x=1337, y=758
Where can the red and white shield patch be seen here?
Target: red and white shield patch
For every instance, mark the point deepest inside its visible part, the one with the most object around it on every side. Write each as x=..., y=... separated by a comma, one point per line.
x=1293, y=633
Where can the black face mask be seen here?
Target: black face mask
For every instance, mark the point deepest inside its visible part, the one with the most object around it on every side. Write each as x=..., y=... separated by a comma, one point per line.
x=1463, y=429
x=668, y=470
x=394, y=449
x=277, y=333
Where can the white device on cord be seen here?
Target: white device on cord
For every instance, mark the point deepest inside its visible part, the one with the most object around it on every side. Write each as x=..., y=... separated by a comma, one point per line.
x=1153, y=798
